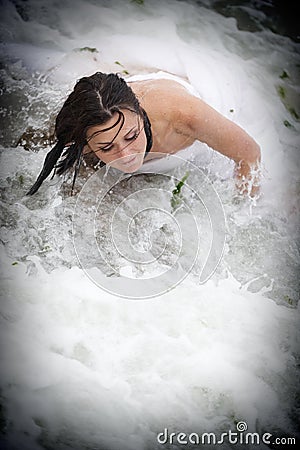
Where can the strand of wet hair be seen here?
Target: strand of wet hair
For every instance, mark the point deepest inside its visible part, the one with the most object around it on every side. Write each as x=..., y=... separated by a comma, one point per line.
x=78, y=157
x=71, y=154
x=49, y=164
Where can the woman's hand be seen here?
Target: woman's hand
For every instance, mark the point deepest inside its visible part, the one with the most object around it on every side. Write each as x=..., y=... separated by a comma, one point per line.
x=248, y=178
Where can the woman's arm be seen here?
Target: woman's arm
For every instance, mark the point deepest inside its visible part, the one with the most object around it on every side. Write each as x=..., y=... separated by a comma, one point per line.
x=196, y=118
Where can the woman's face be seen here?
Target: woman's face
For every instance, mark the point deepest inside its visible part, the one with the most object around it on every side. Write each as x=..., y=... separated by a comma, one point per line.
x=123, y=148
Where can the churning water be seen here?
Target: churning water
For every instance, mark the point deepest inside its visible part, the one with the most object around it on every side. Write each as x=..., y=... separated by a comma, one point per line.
x=82, y=368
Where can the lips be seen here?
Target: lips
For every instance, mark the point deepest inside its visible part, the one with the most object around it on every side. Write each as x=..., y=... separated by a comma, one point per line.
x=129, y=162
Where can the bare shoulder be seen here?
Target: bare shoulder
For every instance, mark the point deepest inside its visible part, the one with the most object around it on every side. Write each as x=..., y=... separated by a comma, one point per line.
x=162, y=88
x=170, y=100
x=163, y=98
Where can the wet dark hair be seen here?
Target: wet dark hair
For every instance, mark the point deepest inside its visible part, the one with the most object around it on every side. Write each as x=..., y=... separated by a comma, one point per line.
x=93, y=101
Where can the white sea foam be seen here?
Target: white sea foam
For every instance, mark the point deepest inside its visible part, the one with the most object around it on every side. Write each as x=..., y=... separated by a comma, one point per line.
x=83, y=368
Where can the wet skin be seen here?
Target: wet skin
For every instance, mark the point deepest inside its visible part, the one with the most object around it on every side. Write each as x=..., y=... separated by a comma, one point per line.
x=178, y=119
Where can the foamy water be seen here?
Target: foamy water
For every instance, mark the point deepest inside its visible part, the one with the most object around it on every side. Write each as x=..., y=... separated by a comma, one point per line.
x=82, y=368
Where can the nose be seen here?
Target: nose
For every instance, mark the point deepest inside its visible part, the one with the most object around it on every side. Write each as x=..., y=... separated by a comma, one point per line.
x=126, y=153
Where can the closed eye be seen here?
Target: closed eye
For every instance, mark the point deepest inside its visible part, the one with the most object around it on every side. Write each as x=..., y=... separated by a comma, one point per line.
x=106, y=148
x=109, y=147
x=131, y=138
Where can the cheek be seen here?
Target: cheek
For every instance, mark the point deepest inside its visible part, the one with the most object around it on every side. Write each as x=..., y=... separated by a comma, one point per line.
x=143, y=142
x=105, y=157
x=139, y=146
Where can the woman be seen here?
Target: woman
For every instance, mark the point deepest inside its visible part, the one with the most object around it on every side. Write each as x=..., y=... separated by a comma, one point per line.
x=125, y=124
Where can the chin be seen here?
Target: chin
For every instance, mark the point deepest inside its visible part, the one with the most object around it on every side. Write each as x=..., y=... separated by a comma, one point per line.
x=132, y=167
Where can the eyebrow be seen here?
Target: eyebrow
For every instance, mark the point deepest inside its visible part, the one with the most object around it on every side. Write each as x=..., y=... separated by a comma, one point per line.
x=106, y=143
